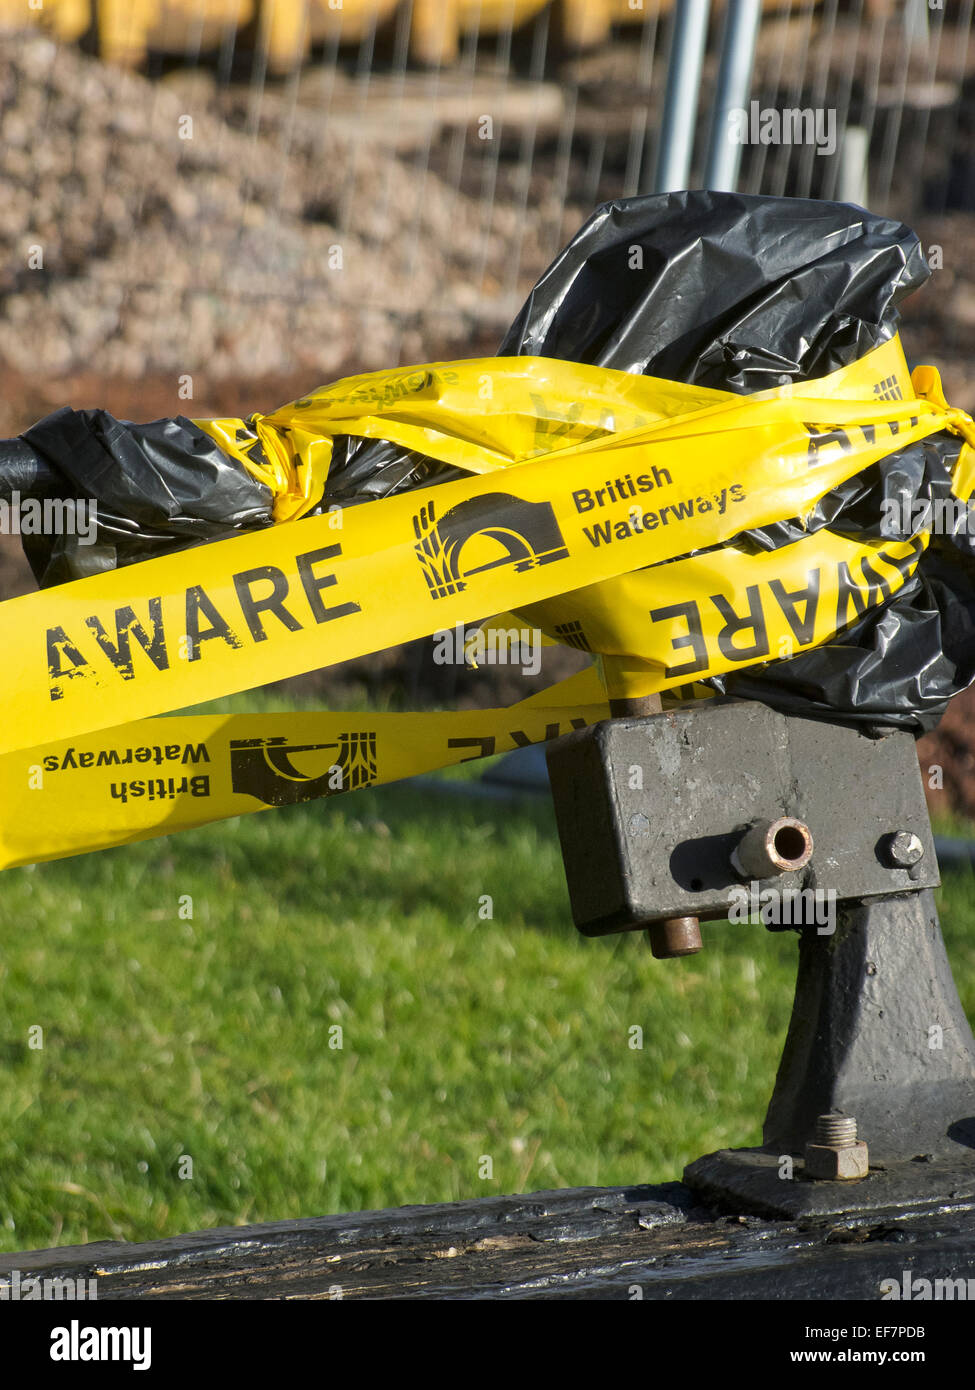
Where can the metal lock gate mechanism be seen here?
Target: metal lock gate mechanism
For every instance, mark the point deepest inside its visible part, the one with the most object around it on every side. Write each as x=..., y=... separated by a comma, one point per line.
x=729, y=809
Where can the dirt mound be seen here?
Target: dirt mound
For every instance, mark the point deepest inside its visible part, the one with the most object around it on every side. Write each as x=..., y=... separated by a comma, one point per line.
x=154, y=227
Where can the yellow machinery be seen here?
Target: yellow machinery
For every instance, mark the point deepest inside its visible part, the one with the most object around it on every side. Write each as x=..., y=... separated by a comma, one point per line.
x=285, y=29
x=438, y=24
x=127, y=28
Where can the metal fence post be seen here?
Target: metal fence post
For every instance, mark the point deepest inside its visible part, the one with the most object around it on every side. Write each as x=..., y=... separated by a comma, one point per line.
x=687, y=44
x=734, y=83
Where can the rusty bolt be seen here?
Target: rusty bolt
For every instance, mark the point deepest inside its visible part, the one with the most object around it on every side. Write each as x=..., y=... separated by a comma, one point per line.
x=769, y=848
x=903, y=849
x=836, y=1153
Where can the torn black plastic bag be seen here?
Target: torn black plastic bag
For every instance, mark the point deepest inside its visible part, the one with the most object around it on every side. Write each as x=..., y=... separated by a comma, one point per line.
x=723, y=290
x=157, y=487
x=167, y=485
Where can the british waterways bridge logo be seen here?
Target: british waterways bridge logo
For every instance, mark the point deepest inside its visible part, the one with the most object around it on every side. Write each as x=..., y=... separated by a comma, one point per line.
x=263, y=767
x=482, y=534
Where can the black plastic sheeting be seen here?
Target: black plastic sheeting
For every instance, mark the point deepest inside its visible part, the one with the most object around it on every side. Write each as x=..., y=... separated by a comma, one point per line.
x=158, y=486
x=722, y=290
x=717, y=289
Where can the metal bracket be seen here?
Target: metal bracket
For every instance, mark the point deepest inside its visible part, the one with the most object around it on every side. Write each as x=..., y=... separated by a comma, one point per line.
x=651, y=811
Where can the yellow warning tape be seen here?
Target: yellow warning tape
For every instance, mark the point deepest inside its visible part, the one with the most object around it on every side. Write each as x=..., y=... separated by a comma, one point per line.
x=605, y=475
x=157, y=776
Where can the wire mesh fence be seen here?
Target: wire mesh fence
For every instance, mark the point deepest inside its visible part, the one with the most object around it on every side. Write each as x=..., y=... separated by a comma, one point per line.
x=387, y=189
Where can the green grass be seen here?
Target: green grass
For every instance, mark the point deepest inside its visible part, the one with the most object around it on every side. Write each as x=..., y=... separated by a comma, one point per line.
x=462, y=1037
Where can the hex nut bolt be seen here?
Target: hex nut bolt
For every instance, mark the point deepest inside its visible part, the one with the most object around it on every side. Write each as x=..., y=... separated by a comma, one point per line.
x=903, y=849
x=769, y=848
x=675, y=936
x=836, y=1154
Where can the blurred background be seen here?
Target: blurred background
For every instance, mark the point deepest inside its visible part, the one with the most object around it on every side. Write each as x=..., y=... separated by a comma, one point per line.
x=210, y=207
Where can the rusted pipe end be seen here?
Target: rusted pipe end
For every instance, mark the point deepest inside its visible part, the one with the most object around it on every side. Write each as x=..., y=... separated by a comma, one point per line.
x=675, y=936
x=770, y=848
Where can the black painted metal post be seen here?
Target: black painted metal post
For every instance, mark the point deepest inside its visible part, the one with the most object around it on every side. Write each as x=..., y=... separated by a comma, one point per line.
x=878, y=1031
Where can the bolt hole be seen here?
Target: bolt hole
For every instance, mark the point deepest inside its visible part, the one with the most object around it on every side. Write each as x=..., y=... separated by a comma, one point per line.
x=696, y=885
x=790, y=843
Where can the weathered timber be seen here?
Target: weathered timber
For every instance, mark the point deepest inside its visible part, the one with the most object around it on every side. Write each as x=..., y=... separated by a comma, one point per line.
x=584, y=1243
